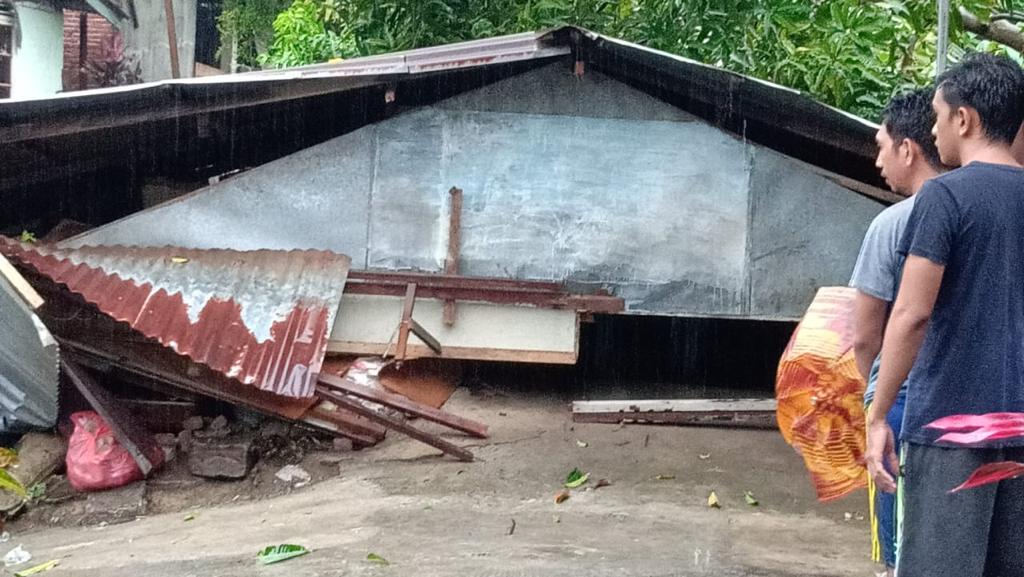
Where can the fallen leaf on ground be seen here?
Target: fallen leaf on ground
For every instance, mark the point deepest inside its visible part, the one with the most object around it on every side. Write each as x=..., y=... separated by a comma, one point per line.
x=375, y=558
x=8, y=482
x=603, y=483
x=562, y=497
x=749, y=498
x=576, y=478
x=37, y=569
x=278, y=553
x=576, y=483
x=713, y=501
x=8, y=457
x=664, y=477
x=189, y=517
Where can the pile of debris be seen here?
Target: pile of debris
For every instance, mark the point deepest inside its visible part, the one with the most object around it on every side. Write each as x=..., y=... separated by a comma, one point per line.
x=142, y=336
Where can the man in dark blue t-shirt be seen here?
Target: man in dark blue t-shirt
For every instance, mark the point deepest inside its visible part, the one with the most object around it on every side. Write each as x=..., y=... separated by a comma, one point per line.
x=956, y=333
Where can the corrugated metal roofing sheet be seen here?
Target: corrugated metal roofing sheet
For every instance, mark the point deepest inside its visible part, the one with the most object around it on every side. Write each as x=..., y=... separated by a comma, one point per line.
x=262, y=317
x=28, y=366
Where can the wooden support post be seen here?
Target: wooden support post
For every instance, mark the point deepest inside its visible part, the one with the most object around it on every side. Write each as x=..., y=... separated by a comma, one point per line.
x=451, y=262
x=405, y=405
x=172, y=38
x=393, y=423
x=408, y=325
x=106, y=406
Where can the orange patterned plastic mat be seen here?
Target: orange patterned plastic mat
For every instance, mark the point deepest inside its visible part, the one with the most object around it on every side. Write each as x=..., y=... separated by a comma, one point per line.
x=821, y=395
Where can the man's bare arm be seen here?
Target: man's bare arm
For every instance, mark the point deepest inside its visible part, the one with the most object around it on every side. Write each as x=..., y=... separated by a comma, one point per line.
x=869, y=315
x=903, y=337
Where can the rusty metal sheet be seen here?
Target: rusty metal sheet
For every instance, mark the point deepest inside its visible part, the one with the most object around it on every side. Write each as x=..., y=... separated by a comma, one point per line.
x=261, y=317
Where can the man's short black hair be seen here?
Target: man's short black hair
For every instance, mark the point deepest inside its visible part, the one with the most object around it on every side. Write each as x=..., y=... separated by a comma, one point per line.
x=910, y=115
x=992, y=85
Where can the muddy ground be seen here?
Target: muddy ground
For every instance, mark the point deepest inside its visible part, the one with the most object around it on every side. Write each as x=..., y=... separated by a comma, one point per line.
x=430, y=515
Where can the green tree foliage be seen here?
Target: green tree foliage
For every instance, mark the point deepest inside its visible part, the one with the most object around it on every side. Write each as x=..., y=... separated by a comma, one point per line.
x=247, y=27
x=852, y=54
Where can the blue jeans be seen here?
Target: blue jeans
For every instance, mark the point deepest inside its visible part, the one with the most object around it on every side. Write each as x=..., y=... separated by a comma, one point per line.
x=885, y=503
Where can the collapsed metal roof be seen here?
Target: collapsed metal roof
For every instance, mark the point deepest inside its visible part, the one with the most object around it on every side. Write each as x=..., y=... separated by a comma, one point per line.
x=262, y=317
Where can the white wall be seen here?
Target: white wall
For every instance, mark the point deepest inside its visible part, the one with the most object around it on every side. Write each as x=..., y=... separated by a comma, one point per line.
x=38, y=50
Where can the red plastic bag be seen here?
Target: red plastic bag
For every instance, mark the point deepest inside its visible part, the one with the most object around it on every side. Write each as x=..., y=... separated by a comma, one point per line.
x=95, y=459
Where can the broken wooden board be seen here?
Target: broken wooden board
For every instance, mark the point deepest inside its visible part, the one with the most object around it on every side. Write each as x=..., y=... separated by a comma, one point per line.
x=128, y=433
x=405, y=405
x=357, y=407
x=742, y=413
x=482, y=331
x=25, y=290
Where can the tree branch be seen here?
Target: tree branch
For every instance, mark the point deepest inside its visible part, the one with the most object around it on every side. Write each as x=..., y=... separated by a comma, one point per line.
x=999, y=31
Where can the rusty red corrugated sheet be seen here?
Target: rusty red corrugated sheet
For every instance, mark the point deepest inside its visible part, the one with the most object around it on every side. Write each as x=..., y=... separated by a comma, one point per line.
x=262, y=317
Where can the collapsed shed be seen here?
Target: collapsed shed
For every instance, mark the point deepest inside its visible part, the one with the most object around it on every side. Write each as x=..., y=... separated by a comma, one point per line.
x=586, y=164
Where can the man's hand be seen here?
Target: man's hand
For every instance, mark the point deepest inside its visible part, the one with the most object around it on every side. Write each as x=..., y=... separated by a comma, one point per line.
x=882, y=452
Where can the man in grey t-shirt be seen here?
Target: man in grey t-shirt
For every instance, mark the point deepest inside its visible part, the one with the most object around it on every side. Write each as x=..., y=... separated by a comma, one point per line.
x=907, y=158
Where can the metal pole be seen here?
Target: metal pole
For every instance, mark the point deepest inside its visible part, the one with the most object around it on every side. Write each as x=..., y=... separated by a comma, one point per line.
x=942, y=43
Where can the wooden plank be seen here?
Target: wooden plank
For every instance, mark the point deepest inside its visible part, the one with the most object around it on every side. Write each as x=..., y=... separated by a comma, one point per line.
x=427, y=338
x=392, y=423
x=172, y=38
x=25, y=290
x=684, y=405
x=414, y=351
x=757, y=420
x=121, y=424
x=406, y=405
x=406, y=323
x=451, y=262
x=329, y=416
x=744, y=413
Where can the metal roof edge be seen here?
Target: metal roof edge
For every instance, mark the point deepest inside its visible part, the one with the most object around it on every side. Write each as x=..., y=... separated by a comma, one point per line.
x=598, y=37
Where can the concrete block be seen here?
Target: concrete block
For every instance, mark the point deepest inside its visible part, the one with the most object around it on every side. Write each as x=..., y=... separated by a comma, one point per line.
x=116, y=505
x=220, y=458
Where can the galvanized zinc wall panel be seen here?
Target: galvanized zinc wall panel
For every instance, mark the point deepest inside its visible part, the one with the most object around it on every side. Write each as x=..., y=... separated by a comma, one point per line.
x=28, y=366
x=601, y=187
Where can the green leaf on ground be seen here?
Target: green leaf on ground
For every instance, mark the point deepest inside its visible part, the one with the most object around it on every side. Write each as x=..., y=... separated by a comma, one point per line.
x=9, y=483
x=576, y=478
x=278, y=553
x=37, y=569
x=749, y=497
x=37, y=491
x=375, y=558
